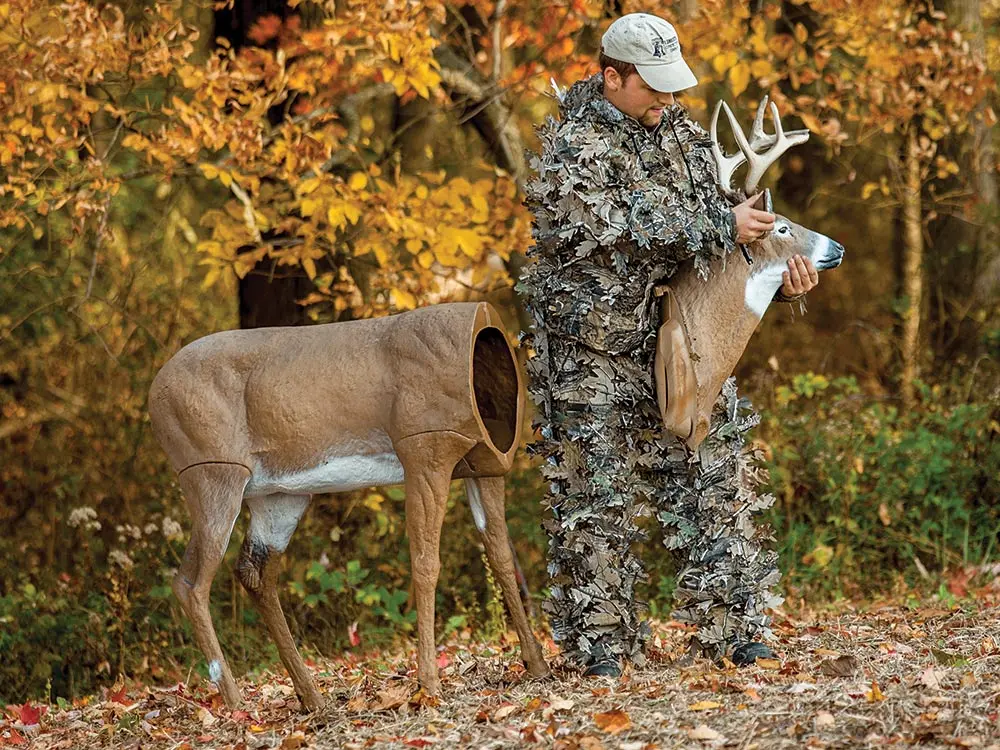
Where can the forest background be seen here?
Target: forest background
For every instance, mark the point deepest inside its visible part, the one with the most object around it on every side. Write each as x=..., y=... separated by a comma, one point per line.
x=171, y=169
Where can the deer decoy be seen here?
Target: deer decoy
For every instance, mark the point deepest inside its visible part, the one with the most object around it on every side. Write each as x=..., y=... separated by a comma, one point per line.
x=268, y=417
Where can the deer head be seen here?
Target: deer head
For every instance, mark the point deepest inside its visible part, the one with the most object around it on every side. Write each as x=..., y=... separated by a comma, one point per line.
x=708, y=324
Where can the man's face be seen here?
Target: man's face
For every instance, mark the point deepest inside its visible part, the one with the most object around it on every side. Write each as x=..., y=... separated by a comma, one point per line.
x=634, y=97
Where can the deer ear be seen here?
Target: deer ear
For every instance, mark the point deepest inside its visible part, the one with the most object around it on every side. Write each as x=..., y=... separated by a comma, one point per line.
x=764, y=203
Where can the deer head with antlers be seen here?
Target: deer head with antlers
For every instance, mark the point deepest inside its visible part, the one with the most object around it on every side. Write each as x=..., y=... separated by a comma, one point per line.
x=707, y=325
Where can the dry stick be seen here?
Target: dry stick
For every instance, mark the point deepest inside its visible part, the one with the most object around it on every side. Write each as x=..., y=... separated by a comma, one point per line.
x=497, y=46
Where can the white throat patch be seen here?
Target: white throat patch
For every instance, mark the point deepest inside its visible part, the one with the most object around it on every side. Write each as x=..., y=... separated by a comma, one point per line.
x=761, y=288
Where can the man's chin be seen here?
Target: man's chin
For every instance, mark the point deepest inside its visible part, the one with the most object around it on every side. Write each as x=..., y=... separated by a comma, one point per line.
x=652, y=117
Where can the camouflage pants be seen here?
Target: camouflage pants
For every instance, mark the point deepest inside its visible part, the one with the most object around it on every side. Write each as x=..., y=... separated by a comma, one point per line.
x=608, y=464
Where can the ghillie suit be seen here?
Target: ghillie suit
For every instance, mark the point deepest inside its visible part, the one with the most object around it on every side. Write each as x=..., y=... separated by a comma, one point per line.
x=617, y=208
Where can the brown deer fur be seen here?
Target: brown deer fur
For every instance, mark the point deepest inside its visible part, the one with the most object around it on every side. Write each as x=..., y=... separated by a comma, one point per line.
x=718, y=316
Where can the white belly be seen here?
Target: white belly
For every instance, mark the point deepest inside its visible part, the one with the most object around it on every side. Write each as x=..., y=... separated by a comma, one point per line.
x=335, y=474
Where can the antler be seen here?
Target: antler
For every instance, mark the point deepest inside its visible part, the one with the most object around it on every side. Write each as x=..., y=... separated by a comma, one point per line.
x=776, y=144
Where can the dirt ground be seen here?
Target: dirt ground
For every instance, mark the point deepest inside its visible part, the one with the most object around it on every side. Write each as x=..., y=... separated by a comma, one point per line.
x=847, y=677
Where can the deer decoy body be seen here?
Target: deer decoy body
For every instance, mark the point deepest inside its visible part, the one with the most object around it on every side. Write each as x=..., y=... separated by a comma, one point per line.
x=269, y=417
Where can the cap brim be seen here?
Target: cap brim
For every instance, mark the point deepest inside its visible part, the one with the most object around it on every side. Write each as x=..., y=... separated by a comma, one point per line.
x=675, y=76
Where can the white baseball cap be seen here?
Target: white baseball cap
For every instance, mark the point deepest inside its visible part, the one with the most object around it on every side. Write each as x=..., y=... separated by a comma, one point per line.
x=651, y=44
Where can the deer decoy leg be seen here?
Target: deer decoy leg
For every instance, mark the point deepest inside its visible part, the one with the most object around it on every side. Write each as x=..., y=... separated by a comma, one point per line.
x=214, y=496
x=490, y=491
x=273, y=519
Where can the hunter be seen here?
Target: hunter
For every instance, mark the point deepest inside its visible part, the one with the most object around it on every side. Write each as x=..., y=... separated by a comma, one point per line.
x=625, y=191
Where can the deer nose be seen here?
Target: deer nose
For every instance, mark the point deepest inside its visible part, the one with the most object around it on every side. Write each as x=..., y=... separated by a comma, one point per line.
x=832, y=257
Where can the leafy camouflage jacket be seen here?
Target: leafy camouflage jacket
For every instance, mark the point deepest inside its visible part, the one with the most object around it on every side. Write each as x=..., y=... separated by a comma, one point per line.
x=617, y=207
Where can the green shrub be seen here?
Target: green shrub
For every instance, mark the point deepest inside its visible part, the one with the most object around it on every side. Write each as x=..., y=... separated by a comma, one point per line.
x=867, y=492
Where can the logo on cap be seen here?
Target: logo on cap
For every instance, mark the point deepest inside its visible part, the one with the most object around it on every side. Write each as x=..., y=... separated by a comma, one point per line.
x=665, y=47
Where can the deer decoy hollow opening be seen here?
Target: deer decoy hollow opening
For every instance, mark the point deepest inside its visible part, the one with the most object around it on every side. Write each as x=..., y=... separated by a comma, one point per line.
x=495, y=386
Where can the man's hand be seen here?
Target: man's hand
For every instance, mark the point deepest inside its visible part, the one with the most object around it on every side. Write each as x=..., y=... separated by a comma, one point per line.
x=800, y=277
x=751, y=223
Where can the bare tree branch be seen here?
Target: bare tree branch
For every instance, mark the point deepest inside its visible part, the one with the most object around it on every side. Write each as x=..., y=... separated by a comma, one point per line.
x=497, y=40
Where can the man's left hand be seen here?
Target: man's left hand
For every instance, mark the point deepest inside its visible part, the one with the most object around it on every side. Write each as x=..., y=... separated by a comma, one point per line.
x=800, y=277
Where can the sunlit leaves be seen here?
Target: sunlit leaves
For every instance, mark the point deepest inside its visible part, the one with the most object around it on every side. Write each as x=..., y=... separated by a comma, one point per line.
x=739, y=78
x=410, y=63
x=870, y=188
x=858, y=66
x=613, y=722
x=304, y=191
x=403, y=237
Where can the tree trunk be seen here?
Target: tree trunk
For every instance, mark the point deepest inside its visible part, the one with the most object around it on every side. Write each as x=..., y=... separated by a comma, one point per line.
x=686, y=10
x=965, y=267
x=913, y=259
x=268, y=296
x=969, y=15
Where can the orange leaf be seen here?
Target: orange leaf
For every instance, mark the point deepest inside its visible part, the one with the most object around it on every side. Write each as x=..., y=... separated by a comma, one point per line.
x=266, y=28
x=781, y=45
x=613, y=722
x=874, y=695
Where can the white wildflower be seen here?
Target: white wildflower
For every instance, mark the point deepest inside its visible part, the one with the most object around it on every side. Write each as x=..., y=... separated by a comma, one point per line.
x=84, y=516
x=128, y=531
x=117, y=557
x=172, y=530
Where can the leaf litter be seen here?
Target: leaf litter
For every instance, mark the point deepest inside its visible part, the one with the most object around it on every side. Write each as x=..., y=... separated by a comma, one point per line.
x=855, y=676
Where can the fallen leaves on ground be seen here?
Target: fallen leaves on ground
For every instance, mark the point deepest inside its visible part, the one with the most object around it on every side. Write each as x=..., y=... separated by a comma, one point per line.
x=859, y=676
x=613, y=722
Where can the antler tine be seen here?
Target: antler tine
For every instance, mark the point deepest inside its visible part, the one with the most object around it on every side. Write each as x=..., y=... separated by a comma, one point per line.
x=759, y=162
x=758, y=138
x=727, y=164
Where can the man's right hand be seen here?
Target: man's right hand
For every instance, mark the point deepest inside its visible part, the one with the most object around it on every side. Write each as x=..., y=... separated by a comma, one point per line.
x=751, y=223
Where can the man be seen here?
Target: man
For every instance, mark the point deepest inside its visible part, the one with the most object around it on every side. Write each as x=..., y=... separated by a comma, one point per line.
x=625, y=191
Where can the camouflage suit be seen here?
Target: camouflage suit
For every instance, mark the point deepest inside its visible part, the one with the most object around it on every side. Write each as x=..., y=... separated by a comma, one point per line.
x=617, y=208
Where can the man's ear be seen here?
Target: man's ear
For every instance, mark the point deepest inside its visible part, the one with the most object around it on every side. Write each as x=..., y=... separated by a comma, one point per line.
x=612, y=79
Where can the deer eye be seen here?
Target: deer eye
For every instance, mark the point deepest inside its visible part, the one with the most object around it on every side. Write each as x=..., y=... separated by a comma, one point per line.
x=783, y=230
